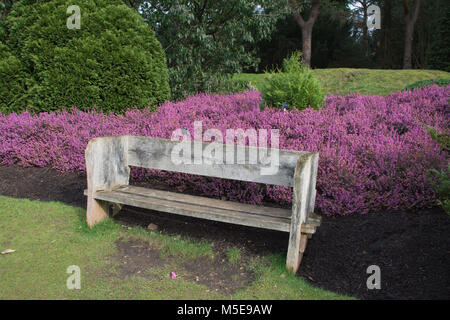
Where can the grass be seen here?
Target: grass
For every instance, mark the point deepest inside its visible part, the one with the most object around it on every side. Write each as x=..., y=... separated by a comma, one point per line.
x=49, y=237
x=233, y=256
x=364, y=81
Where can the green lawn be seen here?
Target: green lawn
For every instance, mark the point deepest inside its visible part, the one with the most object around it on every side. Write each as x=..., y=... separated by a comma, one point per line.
x=364, y=81
x=49, y=237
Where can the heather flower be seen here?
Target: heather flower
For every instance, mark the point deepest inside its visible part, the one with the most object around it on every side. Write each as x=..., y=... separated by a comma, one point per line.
x=375, y=152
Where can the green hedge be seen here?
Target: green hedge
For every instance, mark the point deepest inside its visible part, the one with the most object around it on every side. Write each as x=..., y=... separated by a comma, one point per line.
x=429, y=82
x=113, y=62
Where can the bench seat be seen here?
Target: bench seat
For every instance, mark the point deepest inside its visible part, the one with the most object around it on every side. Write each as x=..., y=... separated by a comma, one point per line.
x=205, y=208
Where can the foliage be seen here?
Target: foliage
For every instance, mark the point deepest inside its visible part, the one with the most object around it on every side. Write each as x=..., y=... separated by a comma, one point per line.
x=428, y=82
x=113, y=62
x=374, y=151
x=439, y=30
x=226, y=85
x=442, y=138
x=340, y=40
x=295, y=85
x=441, y=181
x=203, y=40
x=442, y=187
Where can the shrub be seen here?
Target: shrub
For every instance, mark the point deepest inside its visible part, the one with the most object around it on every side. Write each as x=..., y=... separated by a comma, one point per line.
x=113, y=62
x=442, y=187
x=441, y=181
x=374, y=151
x=296, y=86
x=442, y=138
x=429, y=82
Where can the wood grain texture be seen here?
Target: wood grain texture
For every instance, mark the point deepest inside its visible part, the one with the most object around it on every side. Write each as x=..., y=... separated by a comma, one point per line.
x=157, y=154
x=194, y=206
x=300, y=206
x=201, y=207
x=106, y=167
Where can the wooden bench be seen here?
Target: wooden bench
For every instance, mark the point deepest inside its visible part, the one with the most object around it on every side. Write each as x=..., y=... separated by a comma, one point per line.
x=108, y=161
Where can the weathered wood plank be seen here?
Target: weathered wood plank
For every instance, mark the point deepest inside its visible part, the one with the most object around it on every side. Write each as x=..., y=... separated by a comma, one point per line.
x=314, y=219
x=195, y=210
x=208, y=202
x=157, y=154
x=300, y=204
x=106, y=167
x=221, y=204
x=311, y=197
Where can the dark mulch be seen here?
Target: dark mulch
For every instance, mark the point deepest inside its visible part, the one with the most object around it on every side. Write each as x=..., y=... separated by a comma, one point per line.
x=412, y=249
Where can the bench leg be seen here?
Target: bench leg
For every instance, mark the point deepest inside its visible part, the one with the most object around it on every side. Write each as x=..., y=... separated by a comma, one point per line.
x=301, y=201
x=106, y=168
x=97, y=211
x=297, y=246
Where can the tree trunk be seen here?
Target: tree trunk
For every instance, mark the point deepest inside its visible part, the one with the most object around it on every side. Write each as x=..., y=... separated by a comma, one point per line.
x=410, y=20
x=306, y=26
x=407, y=60
x=306, y=43
x=386, y=30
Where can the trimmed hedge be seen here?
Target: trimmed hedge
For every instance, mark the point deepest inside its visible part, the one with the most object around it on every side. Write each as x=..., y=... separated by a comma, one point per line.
x=113, y=62
x=429, y=82
x=375, y=152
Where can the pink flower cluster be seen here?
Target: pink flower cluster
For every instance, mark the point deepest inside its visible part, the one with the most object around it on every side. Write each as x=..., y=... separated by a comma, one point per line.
x=374, y=151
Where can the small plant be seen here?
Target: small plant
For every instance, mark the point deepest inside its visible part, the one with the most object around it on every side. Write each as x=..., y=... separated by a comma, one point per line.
x=233, y=256
x=294, y=86
x=429, y=82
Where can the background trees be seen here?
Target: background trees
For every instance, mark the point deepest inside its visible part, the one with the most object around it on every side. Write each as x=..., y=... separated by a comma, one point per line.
x=424, y=38
x=204, y=39
x=306, y=24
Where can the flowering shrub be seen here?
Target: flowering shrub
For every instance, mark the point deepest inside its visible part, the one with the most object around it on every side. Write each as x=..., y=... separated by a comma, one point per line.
x=374, y=151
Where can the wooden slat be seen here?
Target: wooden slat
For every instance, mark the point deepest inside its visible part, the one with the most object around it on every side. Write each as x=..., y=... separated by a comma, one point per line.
x=195, y=209
x=207, y=202
x=157, y=154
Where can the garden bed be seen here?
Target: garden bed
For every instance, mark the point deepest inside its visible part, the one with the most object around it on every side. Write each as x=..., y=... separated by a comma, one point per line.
x=375, y=153
x=411, y=248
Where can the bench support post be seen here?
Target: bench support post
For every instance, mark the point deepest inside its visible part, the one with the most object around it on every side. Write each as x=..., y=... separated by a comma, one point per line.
x=302, y=203
x=106, y=168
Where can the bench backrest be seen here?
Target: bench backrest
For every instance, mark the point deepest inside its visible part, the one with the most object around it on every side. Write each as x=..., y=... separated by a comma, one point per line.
x=108, y=161
x=236, y=162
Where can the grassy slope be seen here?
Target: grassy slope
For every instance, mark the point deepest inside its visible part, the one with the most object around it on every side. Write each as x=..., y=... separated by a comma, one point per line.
x=364, y=81
x=49, y=237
